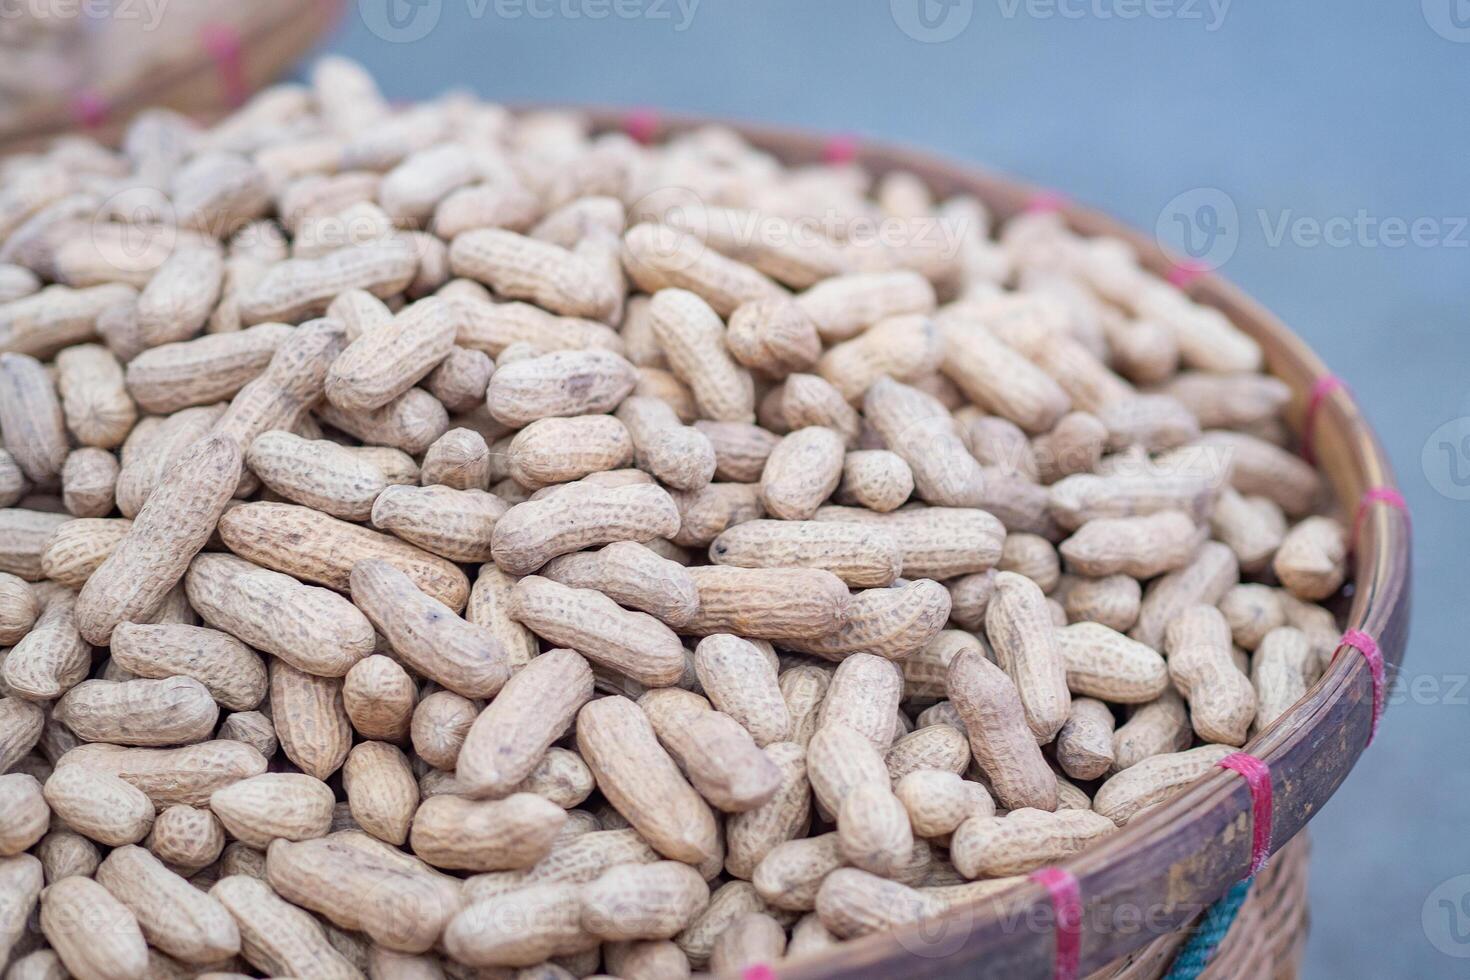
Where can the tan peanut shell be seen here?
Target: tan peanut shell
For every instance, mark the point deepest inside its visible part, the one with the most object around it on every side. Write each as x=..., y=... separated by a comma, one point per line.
x=99, y=411
x=383, y=363
x=31, y=418
x=1023, y=840
x=1221, y=700
x=310, y=720
x=173, y=916
x=96, y=936
x=1102, y=663
x=1018, y=626
x=1000, y=738
x=277, y=937
x=485, y=835
x=186, y=838
x=233, y=673
x=380, y=698
x=580, y=516
x=561, y=383
x=589, y=622
x=99, y=805
x=202, y=371
x=172, y=711
x=772, y=604
x=1153, y=780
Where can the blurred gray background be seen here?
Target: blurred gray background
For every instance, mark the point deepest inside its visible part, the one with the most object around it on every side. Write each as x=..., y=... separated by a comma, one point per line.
x=1337, y=132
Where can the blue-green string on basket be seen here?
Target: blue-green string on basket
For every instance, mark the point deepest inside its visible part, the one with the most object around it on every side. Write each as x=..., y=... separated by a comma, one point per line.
x=1197, y=953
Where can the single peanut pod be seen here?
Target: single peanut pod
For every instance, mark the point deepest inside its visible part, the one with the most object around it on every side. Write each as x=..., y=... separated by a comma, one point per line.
x=891, y=622
x=440, y=724
x=937, y=542
x=1154, y=780
x=1018, y=625
x=64, y=853
x=173, y=711
x=589, y=622
x=920, y=429
x=154, y=447
x=1004, y=746
x=559, y=384
x=633, y=576
x=1141, y=547
x=863, y=695
x=1281, y=669
x=78, y=548
x=21, y=723
x=450, y=523
x=853, y=903
x=938, y=802
x=43, y=321
x=773, y=604
x=173, y=916
x=98, y=410
x=460, y=459
x=532, y=533
x=31, y=418
x=646, y=960
x=677, y=455
x=1102, y=663
x=276, y=937
x=534, y=709
x=485, y=835
x=1082, y=497
x=905, y=348
x=843, y=306
x=876, y=479
x=380, y=698
x=1312, y=559
x=1204, y=581
x=50, y=659
x=855, y=554
x=804, y=688
x=21, y=881
x=561, y=280
x=18, y=609
x=637, y=776
x=381, y=790
x=203, y=371
x=741, y=449
x=693, y=339
x=186, y=838
x=806, y=400
x=181, y=294
x=99, y=805
x=319, y=473
x=27, y=813
x=659, y=258
x=1085, y=743
x=172, y=527
x=411, y=422
x=460, y=380
x=383, y=363
x=364, y=885
x=96, y=936
x=752, y=939
x=774, y=336
x=1257, y=468
x=727, y=903
x=298, y=288
x=740, y=681
x=1252, y=610
x=643, y=901
x=492, y=327
x=168, y=776
x=1113, y=601
x=718, y=756
x=436, y=643
x=873, y=830
x=560, y=450
x=704, y=513
x=1222, y=702
x=308, y=545
x=1253, y=528
x=254, y=728
x=310, y=720
x=313, y=629
x=925, y=671
x=839, y=759
x=520, y=929
x=790, y=875
x=1023, y=840
x=934, y=748
x=89, y=482
x=257, y=810
x=234, y=675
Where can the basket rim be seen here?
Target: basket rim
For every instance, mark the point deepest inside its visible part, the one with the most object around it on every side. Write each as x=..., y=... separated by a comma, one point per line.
x=1182, y=856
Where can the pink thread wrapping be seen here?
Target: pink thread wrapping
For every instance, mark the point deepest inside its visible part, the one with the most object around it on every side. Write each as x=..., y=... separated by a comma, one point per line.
x=641, y=125
x=89, y=109
x=1321, y=388
x=1258, y=779
x=1377, y=495
x=1045, y=202
x=1066, y=903
x=1182, y=274
x=839, y=150
x=1368, y=647
x=222, y=42
x=759, y=971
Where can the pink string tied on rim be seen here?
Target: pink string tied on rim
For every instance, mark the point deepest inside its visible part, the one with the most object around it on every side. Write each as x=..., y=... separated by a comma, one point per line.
x=840, y=150
x=1045, y=202
x=1368, y=647
x=1258, y=780
x=641, y=125
x=89, y=109
x=758, y=971
x=223, y=44
x=1321, y=388
x=1186, y=271
x=1066, y=902
x=1387, y=496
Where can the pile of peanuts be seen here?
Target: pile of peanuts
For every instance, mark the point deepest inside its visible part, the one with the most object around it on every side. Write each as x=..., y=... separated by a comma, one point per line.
x=444, y=543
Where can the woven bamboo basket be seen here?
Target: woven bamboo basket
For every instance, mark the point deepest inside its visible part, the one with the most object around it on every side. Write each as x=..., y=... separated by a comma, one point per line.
x=201, y=58
x=1179, y=859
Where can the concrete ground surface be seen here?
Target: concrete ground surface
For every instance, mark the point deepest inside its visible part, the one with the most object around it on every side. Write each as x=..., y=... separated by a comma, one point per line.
x=1319, y=148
